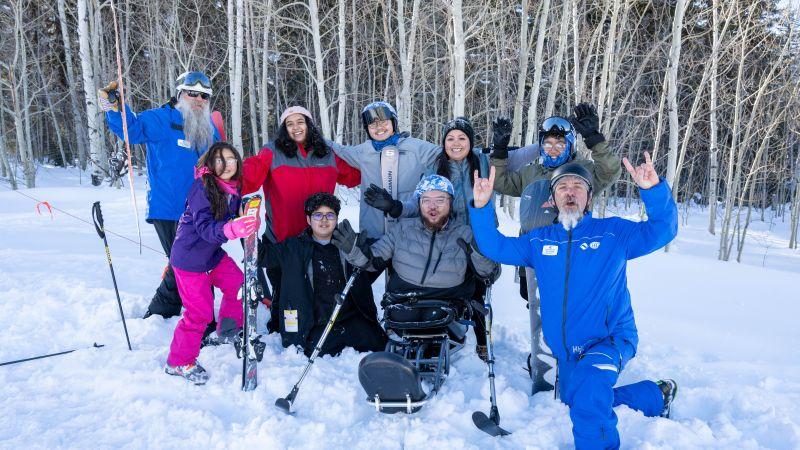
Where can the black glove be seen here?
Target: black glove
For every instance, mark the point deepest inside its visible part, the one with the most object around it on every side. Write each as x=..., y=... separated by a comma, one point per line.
x=587, y=123
x=501, y=135
x=344, y=237
x=379, y=198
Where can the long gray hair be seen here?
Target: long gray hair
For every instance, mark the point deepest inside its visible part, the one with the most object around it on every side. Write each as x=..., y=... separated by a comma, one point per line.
x=196, y=124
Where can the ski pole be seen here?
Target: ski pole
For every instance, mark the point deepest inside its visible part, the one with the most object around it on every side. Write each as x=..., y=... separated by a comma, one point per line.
x=285, y=404
x=97, y=216
x=8, y=363
x=490, y=424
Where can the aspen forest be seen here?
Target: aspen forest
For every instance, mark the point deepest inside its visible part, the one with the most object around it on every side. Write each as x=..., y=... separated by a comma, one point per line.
x=710, y=87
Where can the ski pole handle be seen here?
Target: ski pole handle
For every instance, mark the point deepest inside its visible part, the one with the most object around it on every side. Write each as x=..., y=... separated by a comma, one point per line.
x=97, y=217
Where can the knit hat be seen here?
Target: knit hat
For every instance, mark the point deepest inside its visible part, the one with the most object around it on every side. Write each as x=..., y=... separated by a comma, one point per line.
x=293, y=110
x=462, y=124
x=434, y=183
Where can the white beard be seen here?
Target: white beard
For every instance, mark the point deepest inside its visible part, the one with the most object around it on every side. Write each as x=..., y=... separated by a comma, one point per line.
x=568, y=219
x=196, y=125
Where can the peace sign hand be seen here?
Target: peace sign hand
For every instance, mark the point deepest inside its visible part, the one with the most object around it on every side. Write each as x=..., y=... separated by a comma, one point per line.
x=645, y=175
x=482, y=188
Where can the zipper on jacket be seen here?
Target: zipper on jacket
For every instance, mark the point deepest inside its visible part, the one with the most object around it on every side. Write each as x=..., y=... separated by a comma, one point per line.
x=428, y=262
x=566, y=292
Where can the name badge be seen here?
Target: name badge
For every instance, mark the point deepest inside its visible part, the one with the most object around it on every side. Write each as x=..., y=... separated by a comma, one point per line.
x=184, y=143
x=550, y=250
x=290, y=320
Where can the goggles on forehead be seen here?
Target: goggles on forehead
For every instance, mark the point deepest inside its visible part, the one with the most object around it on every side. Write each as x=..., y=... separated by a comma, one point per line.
x=555, y=126
x=194, y=81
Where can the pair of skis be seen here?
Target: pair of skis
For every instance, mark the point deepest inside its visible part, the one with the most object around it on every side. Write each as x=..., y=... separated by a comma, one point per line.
x=249, y=346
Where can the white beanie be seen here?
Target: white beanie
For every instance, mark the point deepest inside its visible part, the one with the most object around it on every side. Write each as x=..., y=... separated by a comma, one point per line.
x=293, y=110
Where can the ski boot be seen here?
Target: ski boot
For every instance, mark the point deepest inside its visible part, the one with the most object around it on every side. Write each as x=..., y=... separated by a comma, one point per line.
x=194, y=373
x=669, y=388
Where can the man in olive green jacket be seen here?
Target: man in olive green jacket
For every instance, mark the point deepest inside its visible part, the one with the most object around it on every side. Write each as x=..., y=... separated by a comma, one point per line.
x=556, y=147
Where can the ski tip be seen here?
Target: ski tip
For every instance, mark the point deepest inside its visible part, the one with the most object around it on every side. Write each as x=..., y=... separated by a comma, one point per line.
x=485, y=424
x=284, y=405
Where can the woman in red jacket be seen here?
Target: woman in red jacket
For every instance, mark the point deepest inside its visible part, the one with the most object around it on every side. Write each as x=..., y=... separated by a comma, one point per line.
x=296, y=165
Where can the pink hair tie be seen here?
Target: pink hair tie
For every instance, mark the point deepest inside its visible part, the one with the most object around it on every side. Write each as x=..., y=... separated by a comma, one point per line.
x=201, y=171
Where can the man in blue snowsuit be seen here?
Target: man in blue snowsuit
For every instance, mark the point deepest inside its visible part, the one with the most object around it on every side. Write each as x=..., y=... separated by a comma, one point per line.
x=587, y=318
x=175, y=134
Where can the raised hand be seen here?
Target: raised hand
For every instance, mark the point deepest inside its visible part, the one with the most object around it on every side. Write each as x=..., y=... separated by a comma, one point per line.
x=645, y=175
x=501, y=135
x=482, y=188
x=108, y=97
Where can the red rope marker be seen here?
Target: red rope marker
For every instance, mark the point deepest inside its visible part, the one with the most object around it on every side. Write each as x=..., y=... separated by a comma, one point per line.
x=49, y=209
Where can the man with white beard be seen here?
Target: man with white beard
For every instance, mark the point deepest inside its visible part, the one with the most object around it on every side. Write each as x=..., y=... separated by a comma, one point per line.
x=587, y=316
x=175, y=134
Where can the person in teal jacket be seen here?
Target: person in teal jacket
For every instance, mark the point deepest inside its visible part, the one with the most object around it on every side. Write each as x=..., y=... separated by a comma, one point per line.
x=587, y=318
x=176, y=135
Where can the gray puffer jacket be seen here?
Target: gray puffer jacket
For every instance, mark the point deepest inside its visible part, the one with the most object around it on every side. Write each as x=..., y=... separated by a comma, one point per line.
x=416, y=156
x=426, y=258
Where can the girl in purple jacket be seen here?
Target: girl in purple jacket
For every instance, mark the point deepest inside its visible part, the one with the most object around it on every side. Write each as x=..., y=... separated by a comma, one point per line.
x=211, y=219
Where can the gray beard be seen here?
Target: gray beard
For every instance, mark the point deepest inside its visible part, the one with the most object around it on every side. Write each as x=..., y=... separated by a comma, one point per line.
x=568, y=219
x=196, y=125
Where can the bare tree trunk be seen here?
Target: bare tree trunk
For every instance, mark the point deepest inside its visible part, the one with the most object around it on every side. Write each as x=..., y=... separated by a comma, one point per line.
x=407, y=45
x=264, y=102
x=235, y=60
x=522, y=74
x=77, y=120
x=672, y=86
x=251, y=79
x=533, y=120
x=319, y=74
x=96, y=148
x=7, y=169
x=52, y=110
x=341, y=102
x=458, y=57
x=608, y=55
x=562, y=47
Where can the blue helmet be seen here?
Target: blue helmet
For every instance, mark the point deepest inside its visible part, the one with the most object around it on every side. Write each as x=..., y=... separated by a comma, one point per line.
x=434, y=183
x=561, y=127
x=378, y=111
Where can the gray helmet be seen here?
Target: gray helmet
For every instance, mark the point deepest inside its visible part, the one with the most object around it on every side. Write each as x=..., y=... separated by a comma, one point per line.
x=573, y=169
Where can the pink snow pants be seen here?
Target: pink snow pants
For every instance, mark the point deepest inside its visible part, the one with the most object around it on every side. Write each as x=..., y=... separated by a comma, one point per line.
x=198, y=302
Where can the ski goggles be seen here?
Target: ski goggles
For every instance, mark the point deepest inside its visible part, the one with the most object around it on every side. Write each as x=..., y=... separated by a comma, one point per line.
x=555, y=126
x=194, y=81
x=377, y=114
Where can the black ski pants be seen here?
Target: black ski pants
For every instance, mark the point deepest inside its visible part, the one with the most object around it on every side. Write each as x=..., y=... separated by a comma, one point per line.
x=166, y=302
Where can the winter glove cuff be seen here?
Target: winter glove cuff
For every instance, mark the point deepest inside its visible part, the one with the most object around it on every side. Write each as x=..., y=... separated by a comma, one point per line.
x=592, y=139
x=396, y=210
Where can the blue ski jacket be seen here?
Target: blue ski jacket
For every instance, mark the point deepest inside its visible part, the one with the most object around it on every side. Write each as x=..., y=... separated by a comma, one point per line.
x=582, y=272
x=170, y=158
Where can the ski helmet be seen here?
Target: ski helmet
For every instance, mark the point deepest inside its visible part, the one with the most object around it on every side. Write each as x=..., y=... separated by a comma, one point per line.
x=434, y=183
x=572, y=169
x=194, y=81
x=462, y=124
x=560, y=127
x=378, y=111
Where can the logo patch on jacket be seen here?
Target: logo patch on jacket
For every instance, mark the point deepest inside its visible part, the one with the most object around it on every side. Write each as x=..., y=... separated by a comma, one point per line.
x=594, y=245
x=184, y=143
x=550, y=250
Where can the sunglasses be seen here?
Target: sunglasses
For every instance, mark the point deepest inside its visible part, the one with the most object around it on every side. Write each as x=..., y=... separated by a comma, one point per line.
x=194, y=94
x=318, y=216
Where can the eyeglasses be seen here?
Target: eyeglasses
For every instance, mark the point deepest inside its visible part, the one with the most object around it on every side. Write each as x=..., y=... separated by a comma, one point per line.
x=378, y=123
x=227, y=161
x=438, y=201
x=318, y=216
x=195, y=94
x=560, y=146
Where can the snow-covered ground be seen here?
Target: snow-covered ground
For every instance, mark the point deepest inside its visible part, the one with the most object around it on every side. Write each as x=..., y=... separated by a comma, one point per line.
x=727, y=332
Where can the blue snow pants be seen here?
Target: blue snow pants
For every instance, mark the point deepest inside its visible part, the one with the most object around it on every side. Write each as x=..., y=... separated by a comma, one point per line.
x=587, y=387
